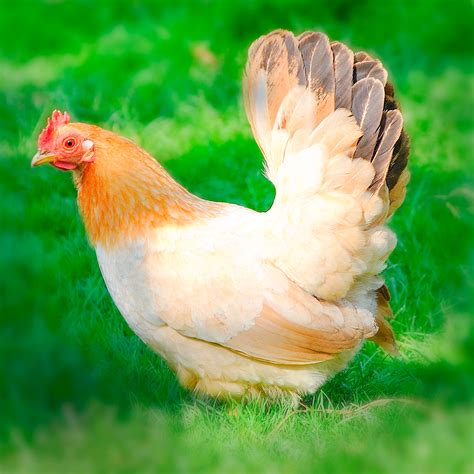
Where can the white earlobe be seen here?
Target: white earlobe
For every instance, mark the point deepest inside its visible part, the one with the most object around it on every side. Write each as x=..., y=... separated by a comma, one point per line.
x=88, y=144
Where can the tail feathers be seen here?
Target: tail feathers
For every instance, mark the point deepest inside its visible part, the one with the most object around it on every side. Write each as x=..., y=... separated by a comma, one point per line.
x=396, y=175
x=397, y=193
x=274, y=68
x=318, y=64
x=370, y=68
x=399, y=160
x=343, y=67
x=391, y=128
x=367, y=107
x=288, y=85
x=293, y=85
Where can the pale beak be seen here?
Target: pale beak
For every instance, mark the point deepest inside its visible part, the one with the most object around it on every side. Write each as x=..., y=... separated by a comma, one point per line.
x=42, y=158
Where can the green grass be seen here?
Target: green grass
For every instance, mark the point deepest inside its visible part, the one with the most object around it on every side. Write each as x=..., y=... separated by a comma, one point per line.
x=78, y=391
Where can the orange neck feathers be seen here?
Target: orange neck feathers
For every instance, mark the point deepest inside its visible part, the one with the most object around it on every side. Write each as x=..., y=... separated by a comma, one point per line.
x=125, y=191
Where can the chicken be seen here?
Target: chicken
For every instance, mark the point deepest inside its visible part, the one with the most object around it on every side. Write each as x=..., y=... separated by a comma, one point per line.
x=242, y=303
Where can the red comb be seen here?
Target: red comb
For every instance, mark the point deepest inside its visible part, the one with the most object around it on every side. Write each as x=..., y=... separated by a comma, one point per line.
x=57, y=120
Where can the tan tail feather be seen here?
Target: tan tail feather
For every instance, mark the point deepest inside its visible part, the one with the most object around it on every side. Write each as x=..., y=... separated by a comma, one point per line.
x=397, y=193
x=274, y=67
x=384, y=337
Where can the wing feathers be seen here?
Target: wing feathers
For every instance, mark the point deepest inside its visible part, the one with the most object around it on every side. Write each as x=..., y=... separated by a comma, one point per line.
x=295, y=328
x=278, y=340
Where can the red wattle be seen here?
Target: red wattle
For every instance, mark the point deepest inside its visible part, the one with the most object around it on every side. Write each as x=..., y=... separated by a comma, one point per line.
x=64, y=165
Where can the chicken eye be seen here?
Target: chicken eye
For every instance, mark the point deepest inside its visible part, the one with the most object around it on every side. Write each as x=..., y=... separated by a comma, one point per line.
x=69, y=143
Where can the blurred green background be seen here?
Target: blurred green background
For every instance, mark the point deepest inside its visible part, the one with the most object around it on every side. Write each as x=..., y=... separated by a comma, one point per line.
x=78, y=391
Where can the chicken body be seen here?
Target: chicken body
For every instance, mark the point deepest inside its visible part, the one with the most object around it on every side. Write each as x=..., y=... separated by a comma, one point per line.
x=178, y=287
x=246, y=303
x=238, y=301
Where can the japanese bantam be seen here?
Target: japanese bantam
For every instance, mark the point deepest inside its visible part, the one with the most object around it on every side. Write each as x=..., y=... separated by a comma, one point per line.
x=239, y=302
